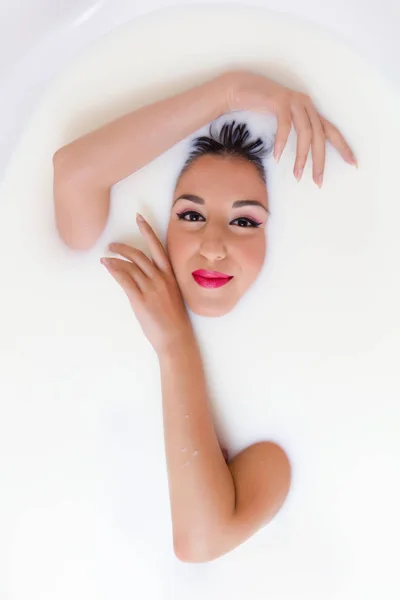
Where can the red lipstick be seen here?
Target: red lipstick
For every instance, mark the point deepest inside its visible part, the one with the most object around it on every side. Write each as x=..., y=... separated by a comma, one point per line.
x=211, y=279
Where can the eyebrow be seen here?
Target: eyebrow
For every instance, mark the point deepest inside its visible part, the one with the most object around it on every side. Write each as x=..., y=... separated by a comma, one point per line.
x=236, y=204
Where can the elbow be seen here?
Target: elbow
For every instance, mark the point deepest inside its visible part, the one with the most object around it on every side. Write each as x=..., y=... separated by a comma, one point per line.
x=75, y=229
x=58, y=156
x=195, y=549
x=62, y=162
x=190, y=553
x=76, y=235
x=68, y=166
x=79, y=243
x=64, y=168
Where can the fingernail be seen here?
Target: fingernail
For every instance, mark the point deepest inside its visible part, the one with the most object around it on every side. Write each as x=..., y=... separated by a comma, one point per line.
x=104, y=261
x=139, y=218
x=298, y=173
x=318, y=180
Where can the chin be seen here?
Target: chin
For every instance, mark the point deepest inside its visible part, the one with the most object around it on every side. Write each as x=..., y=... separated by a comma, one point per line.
x=210, y=311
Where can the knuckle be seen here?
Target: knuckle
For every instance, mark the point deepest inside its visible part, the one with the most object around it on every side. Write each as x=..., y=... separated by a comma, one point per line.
x=331, y=129
x=131, y=249
x=299, y=97
x=159, y=281
x=324, y=124
x=122, y=249
x=318, y=144
x=283, y=113
x=305, y=98
x=139, y=253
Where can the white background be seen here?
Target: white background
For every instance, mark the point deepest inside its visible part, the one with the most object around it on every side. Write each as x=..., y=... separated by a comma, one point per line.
x=28, y=58
x=84, y=509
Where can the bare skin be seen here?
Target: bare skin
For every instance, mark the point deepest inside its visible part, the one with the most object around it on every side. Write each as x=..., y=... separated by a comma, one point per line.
x=214, y=505
x=220, y=236
x=86, y=169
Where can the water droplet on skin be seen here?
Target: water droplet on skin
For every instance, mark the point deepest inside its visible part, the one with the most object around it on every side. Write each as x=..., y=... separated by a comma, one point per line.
x=186, y=416
x=186, y=464
x=195, y=453
x=183, y=450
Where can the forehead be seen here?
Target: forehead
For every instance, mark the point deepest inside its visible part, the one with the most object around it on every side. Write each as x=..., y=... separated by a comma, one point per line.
x=221, y=178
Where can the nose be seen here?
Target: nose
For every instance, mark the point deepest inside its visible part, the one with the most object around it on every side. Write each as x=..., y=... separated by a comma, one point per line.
x=212, y=245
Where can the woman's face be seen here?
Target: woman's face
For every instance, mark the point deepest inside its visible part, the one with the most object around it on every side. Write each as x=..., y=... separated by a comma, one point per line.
x=217, y=223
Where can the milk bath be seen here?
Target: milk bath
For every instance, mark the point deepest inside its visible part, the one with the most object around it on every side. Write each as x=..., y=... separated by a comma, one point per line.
x=309, y=358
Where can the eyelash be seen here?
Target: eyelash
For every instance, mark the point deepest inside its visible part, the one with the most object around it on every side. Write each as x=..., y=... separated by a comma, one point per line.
x=254, y=224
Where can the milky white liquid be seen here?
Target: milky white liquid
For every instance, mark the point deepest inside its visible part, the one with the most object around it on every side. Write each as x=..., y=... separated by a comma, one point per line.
x=309, y=358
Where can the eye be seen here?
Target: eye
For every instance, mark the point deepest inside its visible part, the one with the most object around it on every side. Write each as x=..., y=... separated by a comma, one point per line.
x=189, y=213
x=246, y=222
x=194, y=217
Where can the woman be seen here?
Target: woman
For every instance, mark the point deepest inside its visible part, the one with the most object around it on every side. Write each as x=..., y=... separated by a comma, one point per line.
x=215, y=250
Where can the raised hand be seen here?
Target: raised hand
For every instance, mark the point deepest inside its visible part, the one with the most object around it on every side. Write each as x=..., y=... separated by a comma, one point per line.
x=152, y=290
x=248, y=91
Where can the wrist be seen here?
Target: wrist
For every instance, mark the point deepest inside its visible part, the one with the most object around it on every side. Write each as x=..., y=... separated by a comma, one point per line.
x=181, y=342
x=223, y=86
x=230, y=85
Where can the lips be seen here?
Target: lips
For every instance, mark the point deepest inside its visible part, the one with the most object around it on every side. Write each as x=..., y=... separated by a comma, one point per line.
x=211, y=279
x=211, y=274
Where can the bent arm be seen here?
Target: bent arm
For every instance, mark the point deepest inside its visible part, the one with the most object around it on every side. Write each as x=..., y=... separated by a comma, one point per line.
x=214, y=506
x=86, y=169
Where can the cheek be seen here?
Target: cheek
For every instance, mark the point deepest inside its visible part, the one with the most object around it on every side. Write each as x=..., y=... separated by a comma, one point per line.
x=252, y=255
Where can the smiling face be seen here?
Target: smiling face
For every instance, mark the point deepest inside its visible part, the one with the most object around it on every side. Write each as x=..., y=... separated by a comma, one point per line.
x=217, y=223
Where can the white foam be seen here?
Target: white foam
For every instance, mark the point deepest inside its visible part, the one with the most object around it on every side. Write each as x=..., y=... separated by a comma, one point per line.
x=309, y=358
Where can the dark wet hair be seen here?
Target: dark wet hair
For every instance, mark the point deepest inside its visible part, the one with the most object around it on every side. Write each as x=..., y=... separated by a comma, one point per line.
x=234, y=139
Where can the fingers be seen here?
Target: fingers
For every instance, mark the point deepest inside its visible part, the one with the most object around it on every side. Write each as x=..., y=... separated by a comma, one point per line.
x=303, y=129
x=136, y=256
x=337, y=140
x=317, y=145
x=282, y=134
x=312, y=130
x=156, y=248
x=123, y=275
x=132, y=270
x=134, y=274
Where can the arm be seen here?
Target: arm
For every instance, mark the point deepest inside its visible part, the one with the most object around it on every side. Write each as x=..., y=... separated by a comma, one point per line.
x=214, y=506
x=86, y=169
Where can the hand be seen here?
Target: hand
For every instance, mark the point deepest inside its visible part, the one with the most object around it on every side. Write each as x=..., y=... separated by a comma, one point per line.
x=247, y=91
x=152, y=290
